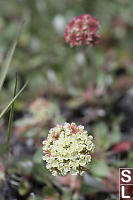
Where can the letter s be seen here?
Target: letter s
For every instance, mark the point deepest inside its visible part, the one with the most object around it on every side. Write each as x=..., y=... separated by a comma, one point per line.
x=125, y=174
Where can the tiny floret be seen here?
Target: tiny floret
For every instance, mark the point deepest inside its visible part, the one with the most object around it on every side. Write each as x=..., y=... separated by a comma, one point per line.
x=67, y=148
x=82, y=30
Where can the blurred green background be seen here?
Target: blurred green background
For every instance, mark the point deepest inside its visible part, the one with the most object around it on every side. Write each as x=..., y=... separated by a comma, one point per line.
x=89, y=86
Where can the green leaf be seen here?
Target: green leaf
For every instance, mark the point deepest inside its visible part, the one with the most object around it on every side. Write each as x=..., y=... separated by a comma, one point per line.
x=3, y=148
x=87, y=190
x=40, y=173
x=105, y=138
x=7, y=62
x=115, y=136
x=99, y=168
x=67, y=194
x=94, y=183
x=11, y=114
x=12, y=101
x=48, y=191
x=24, y=188
x=38, y=156
x=130, y=159
x=101, y=135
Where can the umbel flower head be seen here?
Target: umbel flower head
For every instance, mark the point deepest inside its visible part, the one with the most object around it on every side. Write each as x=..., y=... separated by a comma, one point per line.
x=67, y=149
x=40, y=109
x=82, y=30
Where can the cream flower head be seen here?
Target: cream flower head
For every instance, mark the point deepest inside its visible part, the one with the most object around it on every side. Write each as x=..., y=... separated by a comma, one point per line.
x=67, y=149
x=41, y=110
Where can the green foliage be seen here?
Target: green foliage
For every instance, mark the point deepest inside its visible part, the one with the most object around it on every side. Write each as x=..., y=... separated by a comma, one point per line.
x=3, y=148
x=24, y=188
x=87, y=190
x=130, y=159
x=105, y=138
x=5, y=67
x=11, y=114
x=93, y=182
x=38, y=156
x=40, y=173
x=12, y=101
x=99, y=168
x=62, y=76
x=48, y=191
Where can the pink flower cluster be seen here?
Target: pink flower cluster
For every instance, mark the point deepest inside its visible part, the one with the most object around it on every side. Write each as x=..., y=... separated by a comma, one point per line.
x=82, y=30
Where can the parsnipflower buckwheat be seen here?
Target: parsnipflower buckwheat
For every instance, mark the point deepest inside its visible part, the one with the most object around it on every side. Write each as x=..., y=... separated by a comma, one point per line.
x=41, y=110
x=67, y=148
x=82, y=30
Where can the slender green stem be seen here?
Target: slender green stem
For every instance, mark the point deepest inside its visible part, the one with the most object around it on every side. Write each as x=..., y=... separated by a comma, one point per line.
x=93, y=68
x=8, y=59
x=11, y=113
x=17, y=95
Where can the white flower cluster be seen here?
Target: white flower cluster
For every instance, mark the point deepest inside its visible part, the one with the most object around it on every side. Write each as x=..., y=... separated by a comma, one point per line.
x=40, y=110
x=67, y=149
